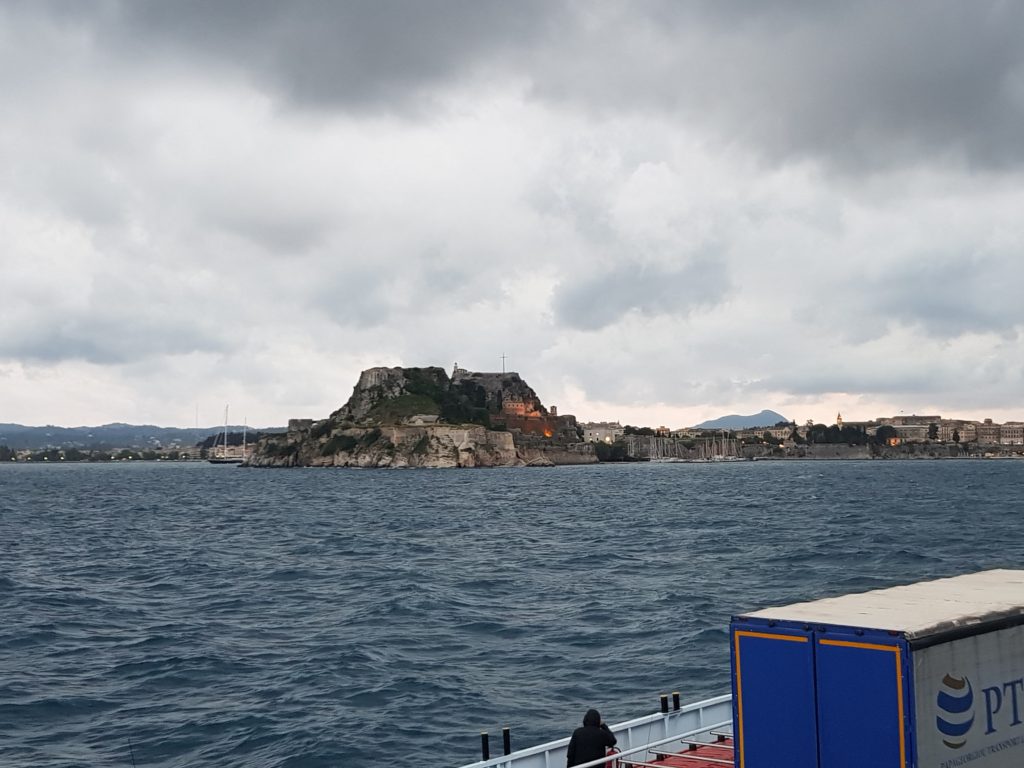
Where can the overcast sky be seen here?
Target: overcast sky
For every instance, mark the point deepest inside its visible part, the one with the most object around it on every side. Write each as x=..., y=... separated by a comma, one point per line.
x=661, y=212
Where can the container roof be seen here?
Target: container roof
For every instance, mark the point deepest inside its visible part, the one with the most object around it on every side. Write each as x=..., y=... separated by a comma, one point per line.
x=916, y=610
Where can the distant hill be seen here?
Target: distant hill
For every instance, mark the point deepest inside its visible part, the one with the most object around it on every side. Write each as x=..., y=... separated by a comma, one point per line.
x=421, y=417
x=18, y=437
x=735, y=421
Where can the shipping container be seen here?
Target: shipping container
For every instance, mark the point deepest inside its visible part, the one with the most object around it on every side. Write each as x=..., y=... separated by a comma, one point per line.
x=928, y=675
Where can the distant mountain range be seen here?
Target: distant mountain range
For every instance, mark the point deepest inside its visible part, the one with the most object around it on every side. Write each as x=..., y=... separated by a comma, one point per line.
x=18, y=437
x=735, y=421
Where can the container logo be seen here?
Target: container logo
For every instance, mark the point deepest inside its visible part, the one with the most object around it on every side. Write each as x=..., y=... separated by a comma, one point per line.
x=956, y=710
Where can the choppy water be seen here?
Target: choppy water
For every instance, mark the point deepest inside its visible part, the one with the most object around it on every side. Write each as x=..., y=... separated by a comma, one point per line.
x=227, y=617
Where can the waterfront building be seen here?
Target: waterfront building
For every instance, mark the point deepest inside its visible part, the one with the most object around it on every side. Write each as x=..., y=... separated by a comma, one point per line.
x=969, y=432
x=988, y=432
x=911, y=420
x=602, y=431
x=1011, y=433
x=947, y=427
x=912, y=433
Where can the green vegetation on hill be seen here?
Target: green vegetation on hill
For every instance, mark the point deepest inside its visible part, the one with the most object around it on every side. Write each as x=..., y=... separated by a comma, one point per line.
x=461, y=404
x=423, y=381
x=819, y=433
x=425, y=395
x=467, y=403
x=397, y=409
x=458, y=410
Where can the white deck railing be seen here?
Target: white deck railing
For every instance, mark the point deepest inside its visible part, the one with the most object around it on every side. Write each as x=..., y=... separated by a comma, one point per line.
x=692, y=722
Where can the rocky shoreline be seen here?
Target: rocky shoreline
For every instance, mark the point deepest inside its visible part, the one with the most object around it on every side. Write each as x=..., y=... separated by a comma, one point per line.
x=440, y=446
x=419, y=417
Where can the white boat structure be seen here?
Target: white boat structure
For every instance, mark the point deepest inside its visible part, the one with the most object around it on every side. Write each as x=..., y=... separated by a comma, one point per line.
x=876, y=679
x=697, y=735
x=224, y=454
x=718, y=449
x=662, y=450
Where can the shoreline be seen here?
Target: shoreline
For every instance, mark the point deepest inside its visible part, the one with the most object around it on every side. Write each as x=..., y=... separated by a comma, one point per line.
x=750, y=460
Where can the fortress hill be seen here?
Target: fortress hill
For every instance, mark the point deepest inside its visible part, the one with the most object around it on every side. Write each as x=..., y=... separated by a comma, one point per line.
x=410, y=417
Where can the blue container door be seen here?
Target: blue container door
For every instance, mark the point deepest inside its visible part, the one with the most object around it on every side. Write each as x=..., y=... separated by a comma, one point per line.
x=773, y=701
x=861, y=705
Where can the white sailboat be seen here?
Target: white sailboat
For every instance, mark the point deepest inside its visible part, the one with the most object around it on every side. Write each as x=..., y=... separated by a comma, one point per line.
x=225, y=456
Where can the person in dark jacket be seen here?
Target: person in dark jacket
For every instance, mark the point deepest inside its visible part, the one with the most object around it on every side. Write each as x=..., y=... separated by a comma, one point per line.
x=590, y=741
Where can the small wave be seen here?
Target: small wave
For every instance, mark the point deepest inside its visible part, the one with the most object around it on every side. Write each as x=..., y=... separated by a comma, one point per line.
x=7, y=584
x=42, y=637
x=54, y=708
x=151, y=642
x=288, y=574
x=353, y=618
x=491, y=628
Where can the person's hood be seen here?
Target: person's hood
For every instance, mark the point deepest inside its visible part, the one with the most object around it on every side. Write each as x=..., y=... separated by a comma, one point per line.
x=593, y=717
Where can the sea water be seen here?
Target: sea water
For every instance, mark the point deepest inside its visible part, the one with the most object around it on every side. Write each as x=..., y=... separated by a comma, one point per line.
x=190, y=615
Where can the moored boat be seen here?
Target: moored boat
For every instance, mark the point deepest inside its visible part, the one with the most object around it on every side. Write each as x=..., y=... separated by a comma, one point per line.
x=226, y=456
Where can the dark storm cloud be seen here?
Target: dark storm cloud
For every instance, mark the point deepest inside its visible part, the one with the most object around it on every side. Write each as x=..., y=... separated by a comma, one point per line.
x=366, y=53
x=860, y=85
x=865, y=84
x=594, y=302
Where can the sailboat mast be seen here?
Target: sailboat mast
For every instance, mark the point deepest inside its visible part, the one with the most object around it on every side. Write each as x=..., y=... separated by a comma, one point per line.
x=225, y=431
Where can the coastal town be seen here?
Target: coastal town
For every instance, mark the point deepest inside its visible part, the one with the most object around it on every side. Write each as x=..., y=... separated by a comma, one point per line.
x=913, y=435
x=901, y=430
x=504, y=403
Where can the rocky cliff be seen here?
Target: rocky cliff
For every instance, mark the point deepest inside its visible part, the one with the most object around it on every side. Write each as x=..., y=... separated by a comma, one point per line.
x=419, y=417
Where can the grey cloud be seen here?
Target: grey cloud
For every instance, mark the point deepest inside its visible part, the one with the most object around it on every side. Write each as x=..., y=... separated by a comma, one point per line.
x=860, y=86
x=114, y=338
x=864, y=85
x=320, y=53
x=892, y=376
x=901, y=377
x=354, y=295
x=948, y=295
x=593, y=302
x=279, y=232
x=110, y=318
x=942, y=294
x=371, y=289
x=381, y=262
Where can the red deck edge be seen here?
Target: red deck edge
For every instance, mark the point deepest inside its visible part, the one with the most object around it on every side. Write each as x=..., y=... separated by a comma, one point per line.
x=695, y=758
